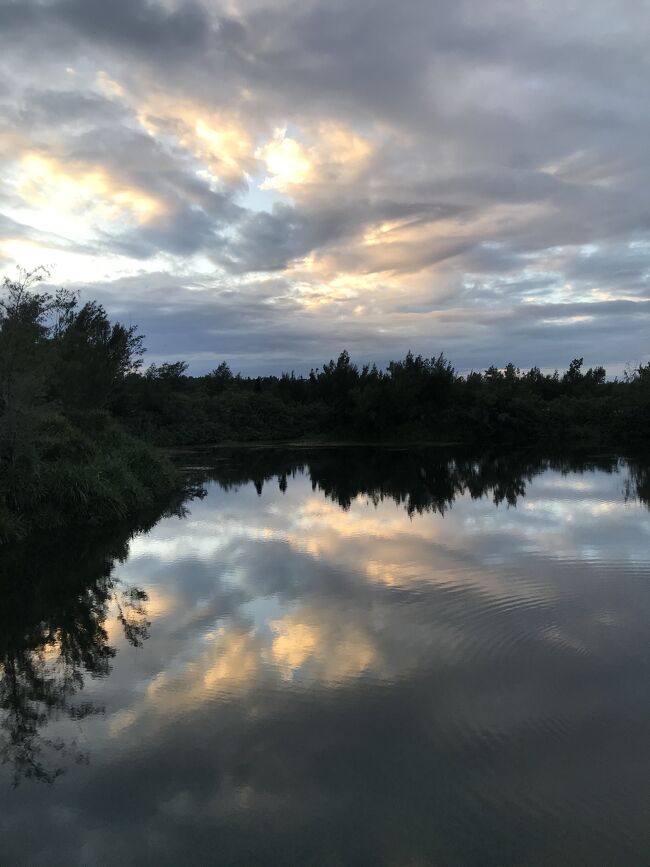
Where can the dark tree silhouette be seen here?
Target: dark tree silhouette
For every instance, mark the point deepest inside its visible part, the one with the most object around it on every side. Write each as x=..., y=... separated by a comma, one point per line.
x=57, y=595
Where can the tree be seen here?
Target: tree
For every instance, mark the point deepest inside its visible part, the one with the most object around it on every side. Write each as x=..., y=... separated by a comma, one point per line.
x=167, y=372
x=219, y=379
x=94, y=356
x=573, y=374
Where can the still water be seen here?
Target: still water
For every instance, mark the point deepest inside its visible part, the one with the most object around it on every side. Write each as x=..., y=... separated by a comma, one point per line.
x=338, y=657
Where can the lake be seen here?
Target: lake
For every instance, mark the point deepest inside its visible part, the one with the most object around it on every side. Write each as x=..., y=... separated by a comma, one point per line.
x=341, y=656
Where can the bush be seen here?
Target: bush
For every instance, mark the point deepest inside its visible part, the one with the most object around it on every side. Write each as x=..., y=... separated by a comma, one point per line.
x=73, y=476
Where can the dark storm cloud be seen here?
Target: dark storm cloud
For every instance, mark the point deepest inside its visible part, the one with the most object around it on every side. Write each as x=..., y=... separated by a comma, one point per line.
x=270, y=241
x=44, y=108
x=138, y=25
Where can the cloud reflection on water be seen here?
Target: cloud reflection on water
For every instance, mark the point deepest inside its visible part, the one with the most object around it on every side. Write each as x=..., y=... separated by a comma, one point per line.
x=326, y=679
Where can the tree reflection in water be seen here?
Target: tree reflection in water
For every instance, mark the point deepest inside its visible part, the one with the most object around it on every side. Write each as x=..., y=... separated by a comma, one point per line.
x=421, y=479
x=56, y=598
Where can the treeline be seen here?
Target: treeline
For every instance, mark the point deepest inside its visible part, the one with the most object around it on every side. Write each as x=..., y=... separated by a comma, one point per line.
x=64, y=458
x=80, y=417
x=415, y=399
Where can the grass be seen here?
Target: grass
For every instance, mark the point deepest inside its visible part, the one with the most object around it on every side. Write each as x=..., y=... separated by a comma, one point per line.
x=71, y=474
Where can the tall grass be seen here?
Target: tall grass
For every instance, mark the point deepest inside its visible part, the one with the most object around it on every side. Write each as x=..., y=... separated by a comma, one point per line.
x=79, y=471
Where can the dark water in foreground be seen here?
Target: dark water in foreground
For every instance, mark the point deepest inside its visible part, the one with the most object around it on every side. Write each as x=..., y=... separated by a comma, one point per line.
x=338, y=657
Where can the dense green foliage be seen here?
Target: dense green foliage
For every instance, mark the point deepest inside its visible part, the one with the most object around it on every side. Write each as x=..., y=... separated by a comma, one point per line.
x=63, y=457
x=415, y=399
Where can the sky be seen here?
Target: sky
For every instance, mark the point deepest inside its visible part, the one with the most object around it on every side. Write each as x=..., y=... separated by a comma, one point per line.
x=271, y=182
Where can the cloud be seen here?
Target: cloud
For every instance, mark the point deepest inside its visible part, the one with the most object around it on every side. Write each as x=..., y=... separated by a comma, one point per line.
x=385, y=176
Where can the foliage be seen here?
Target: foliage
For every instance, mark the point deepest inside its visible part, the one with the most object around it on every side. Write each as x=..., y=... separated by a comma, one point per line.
x=413, y=399
x=63, y=457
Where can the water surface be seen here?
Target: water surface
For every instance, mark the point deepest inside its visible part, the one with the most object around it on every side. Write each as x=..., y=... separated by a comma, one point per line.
x=338, y=656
